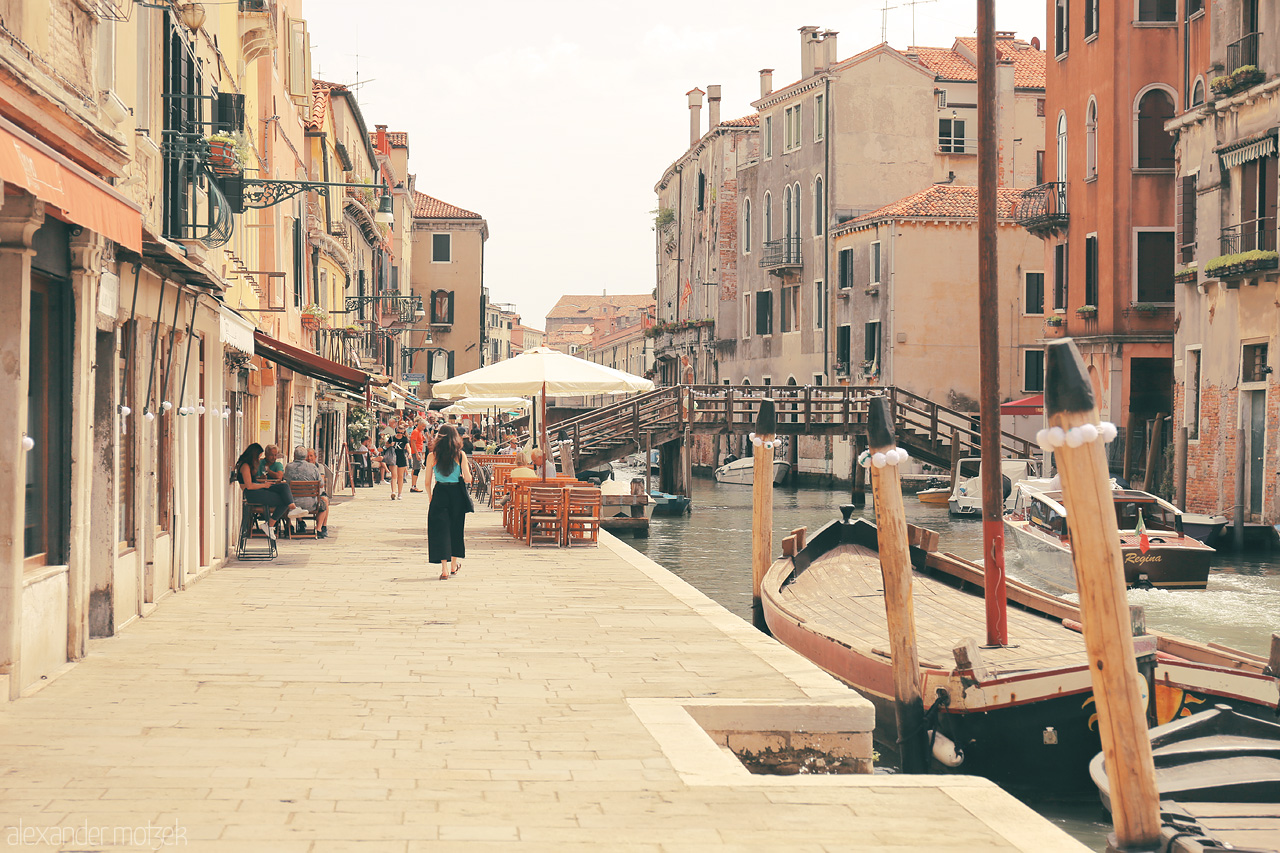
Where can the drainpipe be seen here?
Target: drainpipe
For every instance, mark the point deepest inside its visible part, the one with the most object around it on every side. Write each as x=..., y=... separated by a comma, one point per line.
x=679, y=237
x=887, y=342
x=828, y=297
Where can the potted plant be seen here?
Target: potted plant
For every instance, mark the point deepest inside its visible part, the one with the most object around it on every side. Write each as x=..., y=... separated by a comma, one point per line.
x=222, y=158
x=1087, y=311
x=1241, y=263
x=1186, y=275
x=1147, y=308
x=314, y=317
x=1054, y=326
x=352, y=331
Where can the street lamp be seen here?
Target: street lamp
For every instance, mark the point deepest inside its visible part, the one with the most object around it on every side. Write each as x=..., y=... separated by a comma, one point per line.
x=386, y=213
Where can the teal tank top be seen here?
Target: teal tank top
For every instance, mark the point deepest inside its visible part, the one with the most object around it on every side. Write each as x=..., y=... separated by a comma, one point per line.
x=454, y=476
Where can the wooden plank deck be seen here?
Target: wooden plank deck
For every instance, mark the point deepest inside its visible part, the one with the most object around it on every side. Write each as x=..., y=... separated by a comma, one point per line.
x=841, y=595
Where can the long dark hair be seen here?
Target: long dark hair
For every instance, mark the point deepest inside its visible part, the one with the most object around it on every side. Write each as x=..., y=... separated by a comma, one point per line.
x=447, y=449
x=250, y=457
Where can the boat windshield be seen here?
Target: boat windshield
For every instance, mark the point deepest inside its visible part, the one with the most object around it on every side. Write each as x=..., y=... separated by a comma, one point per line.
x=1046, y=518
x=1154, y=516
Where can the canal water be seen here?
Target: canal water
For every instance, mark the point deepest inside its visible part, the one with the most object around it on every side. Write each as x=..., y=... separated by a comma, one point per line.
x=711, y=549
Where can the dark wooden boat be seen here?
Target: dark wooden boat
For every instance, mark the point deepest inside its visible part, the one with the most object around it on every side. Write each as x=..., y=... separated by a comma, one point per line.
x=1214, y=756
x=1037, y=529
x=1218, y=827
x=1023, y=715
x=665, y=504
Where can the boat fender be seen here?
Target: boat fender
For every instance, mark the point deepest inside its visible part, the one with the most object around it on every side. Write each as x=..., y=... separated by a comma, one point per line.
x=945, y=751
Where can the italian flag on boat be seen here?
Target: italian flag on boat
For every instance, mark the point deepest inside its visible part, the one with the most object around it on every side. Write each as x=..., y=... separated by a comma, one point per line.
x=1143, y=544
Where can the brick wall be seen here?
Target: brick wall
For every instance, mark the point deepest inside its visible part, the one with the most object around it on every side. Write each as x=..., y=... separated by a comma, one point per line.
x=72, y=46
x=1211, y=474
x=728, y=242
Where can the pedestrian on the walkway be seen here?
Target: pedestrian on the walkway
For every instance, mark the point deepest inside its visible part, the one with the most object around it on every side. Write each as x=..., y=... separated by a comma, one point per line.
x=398, y=444
x=448, y=475
x=274, y=494
x=417, y=444
x=375, y=459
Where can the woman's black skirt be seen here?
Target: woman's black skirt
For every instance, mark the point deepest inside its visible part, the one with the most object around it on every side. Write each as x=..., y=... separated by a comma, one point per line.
x=445, y=522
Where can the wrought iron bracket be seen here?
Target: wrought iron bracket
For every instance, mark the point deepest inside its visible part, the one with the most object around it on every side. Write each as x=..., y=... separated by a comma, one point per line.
x=264, y=192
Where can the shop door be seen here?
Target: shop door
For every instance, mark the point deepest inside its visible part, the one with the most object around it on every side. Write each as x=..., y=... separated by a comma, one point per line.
x=1257, y=446
x=47, y=524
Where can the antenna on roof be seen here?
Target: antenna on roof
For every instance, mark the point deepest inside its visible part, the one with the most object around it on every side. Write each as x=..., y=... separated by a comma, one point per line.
x=884, y=21
x=913, y=4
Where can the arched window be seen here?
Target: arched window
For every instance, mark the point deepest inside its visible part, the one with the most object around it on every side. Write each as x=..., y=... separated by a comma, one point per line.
x=819, y=207
x=1091, y=140
x=746, y=227
x=702, y=191
x=768, y=217
x=795, y=213
x=1197, y=92
x=786, y=213
x=1154, y=143
x=746, y=380
x=1062, y=146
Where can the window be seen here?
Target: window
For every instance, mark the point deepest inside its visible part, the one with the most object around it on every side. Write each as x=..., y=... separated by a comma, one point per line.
x=46, y=525
x=842, y=349
x=1186, y=215
x=819, y=118
x=1194, y=7
x=1253, y=365
x=790, y=308
x=793, y=230
x=441, y=248
x=1060, y=258
x=788, y=214
x=951, y=136
x=299, y=59
x=1060, y=17
x=766, y=380
x=819, y=208
x=1091, y=140
x=768, y=136
x=746, y=315
x=819, y=304
x=1191, y=389
x=1197, y=92
x=1090, y=18
x=764, y=312
x=1091, y=270
x=1033, y=302
x=746, y=227
x=844, y=269
x=1257, y=229
x=871, y=345
x=791, y=128
x=1040, y=107
x=1154, y=264
x=875, y=262
x=1155, y=144
x=442, y=308
x=1033, y=370
x=768, y=217
x=1165, y=11
x=1062, y=147
x=819, y=379
x=1039, y=167
x=702, y=190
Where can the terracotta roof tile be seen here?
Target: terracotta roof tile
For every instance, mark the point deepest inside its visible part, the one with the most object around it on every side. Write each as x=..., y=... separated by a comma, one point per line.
x=395, y=138
x=589, y=306
x=426, y=207
x=320, y=102
x=949, y=64
x=752, y=120
x=941, y=202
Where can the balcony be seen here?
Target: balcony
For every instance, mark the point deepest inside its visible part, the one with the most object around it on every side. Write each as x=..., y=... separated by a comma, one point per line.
x=1243, y=52
x=1257, y=235
x=1042, y=210
x=778, y=256
x=1247, y=251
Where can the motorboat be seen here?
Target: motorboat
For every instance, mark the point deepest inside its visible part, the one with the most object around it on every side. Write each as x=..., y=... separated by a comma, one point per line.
x=1215, y=756
x=742, y=471
x=967, y=498
x=1206, y=528
x=667, y=504
x=937, y=496
x=1036, y=527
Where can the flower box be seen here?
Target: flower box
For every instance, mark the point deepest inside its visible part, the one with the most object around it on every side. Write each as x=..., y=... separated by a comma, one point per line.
x=1242, y=78
x=1241, y=264
x=222, y=157
x=1186, y=276
x=1087, y=311
x=310, y=322
x=1054, y=330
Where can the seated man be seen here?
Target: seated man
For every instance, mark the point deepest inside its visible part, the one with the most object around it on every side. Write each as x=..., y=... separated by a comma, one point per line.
x=304, y=467
x=270, y=467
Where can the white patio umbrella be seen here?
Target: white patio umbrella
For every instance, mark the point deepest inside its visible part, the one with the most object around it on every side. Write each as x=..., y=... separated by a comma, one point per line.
x=542, y=371
x=479, y=405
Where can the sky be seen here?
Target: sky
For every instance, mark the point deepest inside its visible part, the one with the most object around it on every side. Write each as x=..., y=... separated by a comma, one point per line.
x=555, y=120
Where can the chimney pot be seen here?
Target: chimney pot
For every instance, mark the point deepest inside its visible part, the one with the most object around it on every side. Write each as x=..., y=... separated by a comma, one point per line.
x=808, y=58
x=713, y=107
x=695, y=115
x=829, y=45
x=766, y=81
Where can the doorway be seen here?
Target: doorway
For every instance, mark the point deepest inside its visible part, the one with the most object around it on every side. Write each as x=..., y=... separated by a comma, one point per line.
x=1257, y=414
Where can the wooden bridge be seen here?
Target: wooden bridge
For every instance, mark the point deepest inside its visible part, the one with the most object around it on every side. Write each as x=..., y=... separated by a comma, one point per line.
x=930, y=432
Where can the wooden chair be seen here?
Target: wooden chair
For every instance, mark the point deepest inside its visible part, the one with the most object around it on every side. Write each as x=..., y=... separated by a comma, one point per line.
x=500, y=483
x=543, y=516
x=582, y=516
x=306, y=489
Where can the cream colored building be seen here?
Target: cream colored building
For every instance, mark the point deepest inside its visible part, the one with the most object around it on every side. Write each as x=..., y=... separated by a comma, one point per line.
x=448, y=273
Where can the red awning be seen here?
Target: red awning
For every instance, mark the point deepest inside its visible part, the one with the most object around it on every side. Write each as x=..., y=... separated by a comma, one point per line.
x=84, y=199
x=1033, y=405
x=309, y=364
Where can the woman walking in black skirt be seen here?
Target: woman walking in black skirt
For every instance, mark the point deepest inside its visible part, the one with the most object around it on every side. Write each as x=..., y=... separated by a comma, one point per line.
x=448, y=475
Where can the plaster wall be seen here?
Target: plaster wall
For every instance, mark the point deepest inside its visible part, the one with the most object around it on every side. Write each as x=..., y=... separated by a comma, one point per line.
x=463, y=275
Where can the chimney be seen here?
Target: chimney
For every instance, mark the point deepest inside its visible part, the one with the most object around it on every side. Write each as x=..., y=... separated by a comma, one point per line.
x=695, y=115
x=713, y=107
x=380, y=142
x=1035, y=42
x=808, y=51
x=829, y=44
x=766, y=81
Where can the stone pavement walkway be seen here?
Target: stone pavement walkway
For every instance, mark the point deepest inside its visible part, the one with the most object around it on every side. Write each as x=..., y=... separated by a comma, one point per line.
x=341, y=698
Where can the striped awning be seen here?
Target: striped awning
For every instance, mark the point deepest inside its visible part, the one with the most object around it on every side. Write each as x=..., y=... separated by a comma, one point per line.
x=1242, y=153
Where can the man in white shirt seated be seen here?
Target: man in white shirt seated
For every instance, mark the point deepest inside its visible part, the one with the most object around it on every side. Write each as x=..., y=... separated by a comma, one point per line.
x=305, y=467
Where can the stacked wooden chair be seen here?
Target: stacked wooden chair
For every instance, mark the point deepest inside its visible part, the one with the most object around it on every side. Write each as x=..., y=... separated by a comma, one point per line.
x=582, y=516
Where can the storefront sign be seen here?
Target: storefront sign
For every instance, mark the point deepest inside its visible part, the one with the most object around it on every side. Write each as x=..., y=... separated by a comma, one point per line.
x=109, y=294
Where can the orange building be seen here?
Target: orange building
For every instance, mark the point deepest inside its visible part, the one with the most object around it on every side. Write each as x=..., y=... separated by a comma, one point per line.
x=1116, y=73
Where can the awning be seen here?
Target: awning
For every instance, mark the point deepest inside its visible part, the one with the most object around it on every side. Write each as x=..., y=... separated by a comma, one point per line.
x=1245, y=150
x=235, y=331
x=1033, y=405
x=309, y=364
x=84, y=199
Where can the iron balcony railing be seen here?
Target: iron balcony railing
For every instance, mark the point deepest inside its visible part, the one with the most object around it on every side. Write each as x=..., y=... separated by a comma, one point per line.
x=1243, y=52
x=776, y=254
x=1043, y=208
x=1256, y=234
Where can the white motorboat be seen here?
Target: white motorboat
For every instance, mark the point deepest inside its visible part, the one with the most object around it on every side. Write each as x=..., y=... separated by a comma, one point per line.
x=966, y=500
x=742, y=471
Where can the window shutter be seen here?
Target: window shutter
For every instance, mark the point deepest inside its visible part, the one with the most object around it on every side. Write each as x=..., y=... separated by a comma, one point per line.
x=844, y=268
x=230, y=112
x=450, y=364
x=299, y=59
x=449, y=320
x=1187, y=219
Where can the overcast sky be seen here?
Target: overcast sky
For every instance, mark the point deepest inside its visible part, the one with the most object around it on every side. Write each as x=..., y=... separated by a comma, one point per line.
x=554, y=120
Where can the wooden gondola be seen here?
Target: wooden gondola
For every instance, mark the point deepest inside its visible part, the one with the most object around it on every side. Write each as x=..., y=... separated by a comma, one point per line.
x=1023, y=714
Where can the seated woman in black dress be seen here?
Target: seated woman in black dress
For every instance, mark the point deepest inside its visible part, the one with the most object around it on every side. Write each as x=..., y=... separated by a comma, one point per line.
x=273, y=494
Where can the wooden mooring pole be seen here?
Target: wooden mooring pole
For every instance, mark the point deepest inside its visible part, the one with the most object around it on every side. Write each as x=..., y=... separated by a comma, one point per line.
x=1108, y=635
x=762, y=505
x=1180, y=470
x=895, y=565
